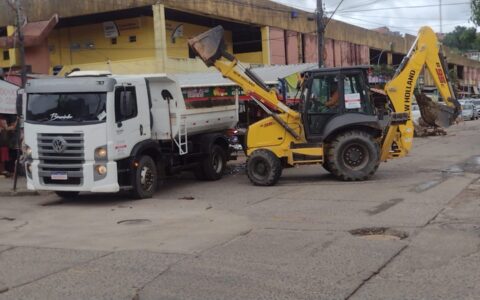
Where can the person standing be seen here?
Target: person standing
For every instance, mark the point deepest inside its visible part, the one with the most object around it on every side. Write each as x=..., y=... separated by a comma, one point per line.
x=5, y=141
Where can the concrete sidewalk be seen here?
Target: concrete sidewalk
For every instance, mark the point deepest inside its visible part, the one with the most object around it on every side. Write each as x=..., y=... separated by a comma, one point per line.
x=6, y=187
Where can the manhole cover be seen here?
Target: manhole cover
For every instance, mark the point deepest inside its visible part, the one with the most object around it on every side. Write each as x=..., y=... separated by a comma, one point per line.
x=379, y=234
x=134, y=222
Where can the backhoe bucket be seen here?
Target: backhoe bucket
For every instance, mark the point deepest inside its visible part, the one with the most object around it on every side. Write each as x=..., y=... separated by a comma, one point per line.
x=435, y=114
x=210, y=45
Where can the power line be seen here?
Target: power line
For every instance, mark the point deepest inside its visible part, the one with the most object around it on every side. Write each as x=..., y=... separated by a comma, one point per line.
x=405, y=18
x=334, y=12
x=411, y=6
x=362, y=5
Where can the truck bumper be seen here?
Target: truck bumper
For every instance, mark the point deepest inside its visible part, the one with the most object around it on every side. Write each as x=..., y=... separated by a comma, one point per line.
x=88, y=183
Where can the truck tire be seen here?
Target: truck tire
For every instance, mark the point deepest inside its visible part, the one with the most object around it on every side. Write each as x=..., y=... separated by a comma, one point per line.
x=67, y=194
x=213, y=165
x=353, y=156
x=264, y=168
x=145, y=180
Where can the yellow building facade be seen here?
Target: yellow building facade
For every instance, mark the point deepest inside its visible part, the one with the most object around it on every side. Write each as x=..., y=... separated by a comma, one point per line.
x=9, y=57
x=144, y=44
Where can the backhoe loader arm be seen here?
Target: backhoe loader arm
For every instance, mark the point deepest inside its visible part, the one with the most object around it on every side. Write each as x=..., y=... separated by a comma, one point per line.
x=210, y=47
x=425, y=51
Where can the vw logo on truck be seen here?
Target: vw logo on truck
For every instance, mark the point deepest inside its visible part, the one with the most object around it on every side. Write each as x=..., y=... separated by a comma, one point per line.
x=59, y=144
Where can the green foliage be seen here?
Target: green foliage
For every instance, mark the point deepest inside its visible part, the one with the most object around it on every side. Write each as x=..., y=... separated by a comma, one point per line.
x=475, y=4
x=383, y=71
x=463, y=38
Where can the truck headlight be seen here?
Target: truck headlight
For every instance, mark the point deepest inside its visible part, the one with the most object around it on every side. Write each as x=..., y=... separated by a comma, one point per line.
x=28, y=152
x=101, y=169
x=101, y=153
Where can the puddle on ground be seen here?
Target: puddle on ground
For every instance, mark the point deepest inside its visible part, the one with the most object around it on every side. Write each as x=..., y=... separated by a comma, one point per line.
x=379, y=234
x=471, y=165
x=384, y=206
x=422, y=187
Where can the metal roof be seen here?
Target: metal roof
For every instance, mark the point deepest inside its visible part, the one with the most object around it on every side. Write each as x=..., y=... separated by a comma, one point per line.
x=269, y=75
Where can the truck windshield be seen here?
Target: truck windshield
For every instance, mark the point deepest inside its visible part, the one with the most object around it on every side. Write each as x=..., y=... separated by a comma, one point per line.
x=66, y=108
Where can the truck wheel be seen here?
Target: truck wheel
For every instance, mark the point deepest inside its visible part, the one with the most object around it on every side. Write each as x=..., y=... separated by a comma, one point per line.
x=145, y=179
x=212, y=167
x=67, y=194
x=264, y=168
x=353, y=156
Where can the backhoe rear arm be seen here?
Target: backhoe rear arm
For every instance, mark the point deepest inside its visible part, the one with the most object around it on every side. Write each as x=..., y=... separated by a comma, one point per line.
x=230, y=70
x=425, y=51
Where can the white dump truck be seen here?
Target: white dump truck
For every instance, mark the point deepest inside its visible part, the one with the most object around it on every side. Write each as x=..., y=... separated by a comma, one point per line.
x=97, y=132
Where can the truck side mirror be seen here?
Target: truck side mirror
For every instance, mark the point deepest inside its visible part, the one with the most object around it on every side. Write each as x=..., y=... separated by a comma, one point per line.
x=166, y=95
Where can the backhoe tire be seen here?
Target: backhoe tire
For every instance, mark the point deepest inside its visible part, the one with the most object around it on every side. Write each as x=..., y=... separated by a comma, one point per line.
x=326, y=167
x=264, y=168
x=353, y=156
x=211, y=168
x=67, y=194
x=145, y=178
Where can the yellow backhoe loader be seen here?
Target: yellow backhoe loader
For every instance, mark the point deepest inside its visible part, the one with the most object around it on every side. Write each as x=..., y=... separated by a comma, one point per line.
x=337, y=124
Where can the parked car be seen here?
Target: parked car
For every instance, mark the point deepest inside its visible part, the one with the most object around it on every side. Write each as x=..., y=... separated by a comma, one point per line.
x=476, y=103
x=468, y=111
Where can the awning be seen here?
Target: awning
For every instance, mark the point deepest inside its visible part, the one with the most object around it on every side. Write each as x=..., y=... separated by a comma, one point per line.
x=34, y=33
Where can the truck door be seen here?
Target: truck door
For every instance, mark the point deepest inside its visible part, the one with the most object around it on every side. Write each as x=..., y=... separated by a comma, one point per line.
x=131, y=122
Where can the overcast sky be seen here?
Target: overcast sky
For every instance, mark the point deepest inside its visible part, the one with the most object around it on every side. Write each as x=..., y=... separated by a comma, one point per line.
x=369, y=13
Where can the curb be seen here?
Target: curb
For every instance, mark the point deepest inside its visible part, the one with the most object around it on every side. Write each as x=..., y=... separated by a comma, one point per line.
x=19, y=193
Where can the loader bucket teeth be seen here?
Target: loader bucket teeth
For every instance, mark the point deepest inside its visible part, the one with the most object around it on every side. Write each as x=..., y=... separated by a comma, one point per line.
x=435, y=114
x=210, y=45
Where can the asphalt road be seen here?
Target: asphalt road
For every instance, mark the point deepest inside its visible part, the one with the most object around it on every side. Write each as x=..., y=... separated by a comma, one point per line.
x=417, y=229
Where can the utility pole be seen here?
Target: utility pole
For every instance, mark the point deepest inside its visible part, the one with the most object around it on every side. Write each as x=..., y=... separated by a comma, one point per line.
x=441, y=19
x=320, y=33
x=19, y=39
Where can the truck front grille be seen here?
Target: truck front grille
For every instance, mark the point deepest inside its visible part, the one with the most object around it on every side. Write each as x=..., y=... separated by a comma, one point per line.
x=62, y=153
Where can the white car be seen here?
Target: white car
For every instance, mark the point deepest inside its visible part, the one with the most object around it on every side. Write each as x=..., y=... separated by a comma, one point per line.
x=468, y=111
x=416, y=115
x=471, y=104
x=476, y=103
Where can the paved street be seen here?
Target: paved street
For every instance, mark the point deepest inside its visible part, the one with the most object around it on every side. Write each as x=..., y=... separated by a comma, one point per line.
x=231, y=240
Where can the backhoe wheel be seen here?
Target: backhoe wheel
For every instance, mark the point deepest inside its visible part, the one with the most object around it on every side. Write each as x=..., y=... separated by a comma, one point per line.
x=145, y=180
x=264, y=168
x=353, y=155
x=67, y=194
x=213, y=165
x=326, y=166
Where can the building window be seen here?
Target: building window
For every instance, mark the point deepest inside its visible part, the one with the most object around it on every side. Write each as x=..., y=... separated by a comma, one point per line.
x=75, y=46
x=132, y=38
x=191, y=54
x=460, y=73
x=6, y=55
x=113, y=41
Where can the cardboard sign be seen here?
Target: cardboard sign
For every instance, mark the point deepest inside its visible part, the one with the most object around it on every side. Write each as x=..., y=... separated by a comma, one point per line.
x=353, y=101
x=110, y=30
x=8, y=98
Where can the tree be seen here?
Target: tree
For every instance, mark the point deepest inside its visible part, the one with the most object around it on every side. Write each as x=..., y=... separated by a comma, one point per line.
x=475, y=4
x=462, y=38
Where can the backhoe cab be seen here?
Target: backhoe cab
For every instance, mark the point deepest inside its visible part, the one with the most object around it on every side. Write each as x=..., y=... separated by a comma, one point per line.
x=337, y=124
